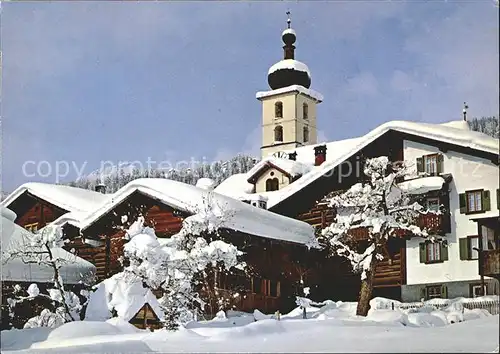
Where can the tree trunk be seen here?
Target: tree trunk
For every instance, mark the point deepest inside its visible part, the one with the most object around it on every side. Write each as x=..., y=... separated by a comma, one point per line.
x=365, y=294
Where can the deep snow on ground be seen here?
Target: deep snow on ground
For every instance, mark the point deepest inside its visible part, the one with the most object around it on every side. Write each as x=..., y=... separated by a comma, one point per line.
x=333, y=328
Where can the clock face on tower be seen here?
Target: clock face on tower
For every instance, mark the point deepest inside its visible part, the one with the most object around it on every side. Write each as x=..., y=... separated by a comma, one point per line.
x=281, y=154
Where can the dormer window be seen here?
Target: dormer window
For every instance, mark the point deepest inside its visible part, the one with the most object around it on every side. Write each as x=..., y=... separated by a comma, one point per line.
x=278, y=109
x=278, y=133
x=305, y=111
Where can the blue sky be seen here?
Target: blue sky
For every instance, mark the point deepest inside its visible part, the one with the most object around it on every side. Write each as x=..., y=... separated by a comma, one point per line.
x=90, y=81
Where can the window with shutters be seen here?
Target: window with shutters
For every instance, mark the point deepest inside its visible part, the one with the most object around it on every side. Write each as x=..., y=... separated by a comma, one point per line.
x=433, y=252
x=468, y=248
x=475, y=201
x=430, y=164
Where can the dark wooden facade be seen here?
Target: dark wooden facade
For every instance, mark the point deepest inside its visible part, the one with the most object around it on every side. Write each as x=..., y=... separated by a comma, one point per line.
x=34, y=213
x=275, y=268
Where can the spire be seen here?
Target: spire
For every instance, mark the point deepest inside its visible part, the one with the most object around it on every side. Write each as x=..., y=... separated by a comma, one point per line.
x=464, y=111
x=288, y=38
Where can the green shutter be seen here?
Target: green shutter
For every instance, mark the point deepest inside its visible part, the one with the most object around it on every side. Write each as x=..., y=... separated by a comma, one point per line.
x=498, y=198
x=440, y=159
x=486, y=201
x=444, y=251
x=420, y=164
x=423, y=293
x=463, y=203
x=444, y=292
x=463, y=248
x=423, y=253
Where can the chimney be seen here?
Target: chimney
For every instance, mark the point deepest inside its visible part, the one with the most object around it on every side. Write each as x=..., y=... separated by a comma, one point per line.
x=292, y=156
x=319, y=154
x=100, y=188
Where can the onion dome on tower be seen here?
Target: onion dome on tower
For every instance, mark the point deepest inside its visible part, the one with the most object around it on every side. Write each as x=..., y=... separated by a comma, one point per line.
x=289, y=71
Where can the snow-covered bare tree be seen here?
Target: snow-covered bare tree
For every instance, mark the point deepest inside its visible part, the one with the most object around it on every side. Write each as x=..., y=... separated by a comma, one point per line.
x=378, y=205
x=45, y=249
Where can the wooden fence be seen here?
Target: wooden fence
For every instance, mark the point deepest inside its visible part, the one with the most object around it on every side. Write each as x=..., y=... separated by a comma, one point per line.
x=492, y=306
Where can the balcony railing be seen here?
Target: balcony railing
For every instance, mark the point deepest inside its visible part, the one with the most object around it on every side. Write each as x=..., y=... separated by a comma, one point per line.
x=433, y=223
x=489, y=263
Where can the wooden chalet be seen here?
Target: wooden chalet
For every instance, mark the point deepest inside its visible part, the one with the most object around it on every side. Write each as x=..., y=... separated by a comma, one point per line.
x=275, y=247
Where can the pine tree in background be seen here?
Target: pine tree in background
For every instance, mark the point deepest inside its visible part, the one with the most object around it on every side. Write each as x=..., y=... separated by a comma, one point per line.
x=486, y=125
x=217, y=171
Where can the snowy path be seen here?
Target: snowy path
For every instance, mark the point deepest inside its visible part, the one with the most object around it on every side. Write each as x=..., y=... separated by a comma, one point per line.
x=329, y=335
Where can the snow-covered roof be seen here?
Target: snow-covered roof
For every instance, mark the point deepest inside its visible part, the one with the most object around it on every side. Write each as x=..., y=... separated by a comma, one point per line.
x=243, y=217
x=65, y=197
x=289, y=31
x=289, y=64
x=455, y=132
x=422, y=185
x=235, y=186
x=123, y=296
x=73, y=270
x=72, y=218
x=445, y=133
x=293, y=168
x=293, y=88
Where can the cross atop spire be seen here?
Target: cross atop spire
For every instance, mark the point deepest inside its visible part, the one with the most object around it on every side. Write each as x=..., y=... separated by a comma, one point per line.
x=288, y=21
x=464, y=111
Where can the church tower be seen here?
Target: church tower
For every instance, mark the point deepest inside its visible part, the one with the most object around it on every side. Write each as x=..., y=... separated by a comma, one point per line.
x=289, y=109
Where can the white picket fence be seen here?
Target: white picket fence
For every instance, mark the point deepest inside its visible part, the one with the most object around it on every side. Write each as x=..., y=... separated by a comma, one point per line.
x=492, y=306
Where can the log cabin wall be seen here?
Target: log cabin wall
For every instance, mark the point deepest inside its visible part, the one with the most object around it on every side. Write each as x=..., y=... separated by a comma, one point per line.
x=34, y=213
x=110, y=230
x=273, y=279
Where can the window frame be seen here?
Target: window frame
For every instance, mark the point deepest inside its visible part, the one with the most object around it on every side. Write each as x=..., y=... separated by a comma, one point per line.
x=424, y=252
x=272, y=184
x=32, y=227
x=475, y=191
x=278, y=130
x=278, y=110
x=433, y=199
x=437, y=247
x=305, y=111
x=475, y=286
x=305, y=134
x=435, y=158
x=470, y=250
x=433, y=287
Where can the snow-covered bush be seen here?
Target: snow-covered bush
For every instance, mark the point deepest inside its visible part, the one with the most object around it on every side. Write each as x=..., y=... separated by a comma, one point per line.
x=177, y=266
x=46, y=318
